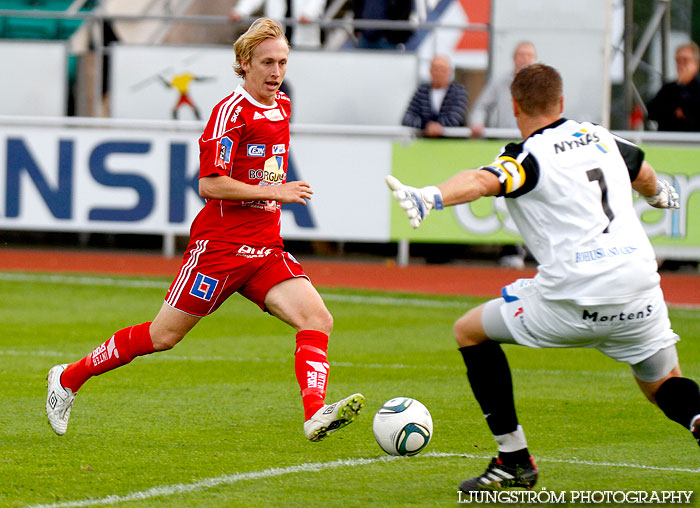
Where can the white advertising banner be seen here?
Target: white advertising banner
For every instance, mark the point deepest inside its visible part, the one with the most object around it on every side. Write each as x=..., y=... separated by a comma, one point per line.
x=351, y=201
x=163, y=82
x=131, y=181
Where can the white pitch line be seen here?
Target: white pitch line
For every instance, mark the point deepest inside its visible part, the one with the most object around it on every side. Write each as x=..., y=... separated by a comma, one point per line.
x=155, y=284
x=167, y=357
x=578, y=462
x=79, y=280
x=387, y=300
x=207, y=483
x=331, y=297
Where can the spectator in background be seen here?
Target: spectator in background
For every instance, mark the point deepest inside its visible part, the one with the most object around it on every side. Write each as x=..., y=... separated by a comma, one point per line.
x=494, y=107
x=305, y=34
x=392, y=10
x=438, y=104
x=676, y=106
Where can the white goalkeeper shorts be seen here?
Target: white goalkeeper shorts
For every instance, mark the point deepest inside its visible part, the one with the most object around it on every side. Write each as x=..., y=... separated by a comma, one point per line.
x=631, y=332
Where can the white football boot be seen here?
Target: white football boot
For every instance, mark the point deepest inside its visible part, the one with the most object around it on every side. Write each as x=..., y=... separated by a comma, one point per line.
x=332, y=417
x=59, y=400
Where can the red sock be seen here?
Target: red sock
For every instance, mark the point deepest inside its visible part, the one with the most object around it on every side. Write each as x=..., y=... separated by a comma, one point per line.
x=120, y=349
x=311, y=368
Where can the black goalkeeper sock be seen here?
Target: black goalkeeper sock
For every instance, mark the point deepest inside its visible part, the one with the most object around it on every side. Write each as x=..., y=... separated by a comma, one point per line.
x=513, y=459
x=679, y=399
x=489, y=375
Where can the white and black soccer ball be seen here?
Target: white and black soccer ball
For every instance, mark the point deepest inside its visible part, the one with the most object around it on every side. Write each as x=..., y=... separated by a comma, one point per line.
x=403, y=426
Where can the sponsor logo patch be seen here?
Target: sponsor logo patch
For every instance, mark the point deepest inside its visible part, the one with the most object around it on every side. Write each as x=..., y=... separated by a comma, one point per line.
x=223, y=152
x=204, y=287
x=256, y=150
x=601, y=317
x=600, y=253
x=581, y=137
x=251, y=252
x=278, y=149
x=272, y=173
x=104, y=352
x=112, y=348
x=274, y=114
x=236, y=113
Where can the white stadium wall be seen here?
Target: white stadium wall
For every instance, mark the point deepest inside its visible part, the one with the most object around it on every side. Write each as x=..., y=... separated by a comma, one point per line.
x=34, y=78
x=573, y=37
x=349, y=88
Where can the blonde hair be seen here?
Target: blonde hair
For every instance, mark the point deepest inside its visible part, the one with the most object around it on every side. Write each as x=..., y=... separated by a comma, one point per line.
x=261, y=29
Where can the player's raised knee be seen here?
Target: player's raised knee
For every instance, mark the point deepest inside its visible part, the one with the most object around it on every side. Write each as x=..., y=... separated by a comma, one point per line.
x=467, y=329
x=164, y=339
x=460, y=332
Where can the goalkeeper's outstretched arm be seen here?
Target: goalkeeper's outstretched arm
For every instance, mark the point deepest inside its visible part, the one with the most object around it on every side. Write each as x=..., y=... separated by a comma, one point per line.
x=469, y=185
x=464, y=187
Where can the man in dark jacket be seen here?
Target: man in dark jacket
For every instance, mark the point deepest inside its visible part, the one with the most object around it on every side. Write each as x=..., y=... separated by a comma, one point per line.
x=676, y=106
x=438, y=104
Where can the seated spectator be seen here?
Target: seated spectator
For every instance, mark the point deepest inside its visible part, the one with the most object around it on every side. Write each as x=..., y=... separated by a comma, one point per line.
x=494, y=108
x=676, y=106
x=393, y=10
x=438, y=104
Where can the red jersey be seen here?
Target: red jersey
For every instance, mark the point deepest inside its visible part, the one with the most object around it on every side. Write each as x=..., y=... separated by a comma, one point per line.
x=249, y=142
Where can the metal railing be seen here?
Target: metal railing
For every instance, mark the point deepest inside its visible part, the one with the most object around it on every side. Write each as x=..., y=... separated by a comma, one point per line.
x=94, y=22
x=393, y=131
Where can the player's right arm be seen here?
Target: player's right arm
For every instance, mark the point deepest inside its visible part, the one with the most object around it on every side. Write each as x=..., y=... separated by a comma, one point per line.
x=225, y=187
x=645, y=183
x=469, y=185
x=658, y=193
x=512, y=174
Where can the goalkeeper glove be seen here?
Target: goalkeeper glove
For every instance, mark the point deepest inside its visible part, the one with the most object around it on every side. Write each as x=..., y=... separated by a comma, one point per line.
x=416, y=202
x=665, y=197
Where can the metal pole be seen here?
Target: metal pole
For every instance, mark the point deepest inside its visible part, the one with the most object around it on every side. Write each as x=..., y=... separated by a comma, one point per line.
x=628, y=72
x=403, y=254
x=649, y=32
x=99, y=52
x=169, y=244
x=665, y=32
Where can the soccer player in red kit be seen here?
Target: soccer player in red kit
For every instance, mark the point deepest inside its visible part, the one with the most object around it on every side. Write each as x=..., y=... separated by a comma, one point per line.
x=235, y=243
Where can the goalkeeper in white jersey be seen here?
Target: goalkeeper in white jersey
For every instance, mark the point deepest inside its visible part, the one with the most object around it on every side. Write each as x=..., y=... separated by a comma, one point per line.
x=568, y=187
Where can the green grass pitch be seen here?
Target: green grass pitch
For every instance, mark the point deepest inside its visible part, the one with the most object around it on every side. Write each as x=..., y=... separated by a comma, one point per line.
x=217, y=421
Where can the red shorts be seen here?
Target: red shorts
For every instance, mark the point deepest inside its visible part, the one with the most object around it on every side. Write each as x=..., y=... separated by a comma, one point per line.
x=212, y=271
